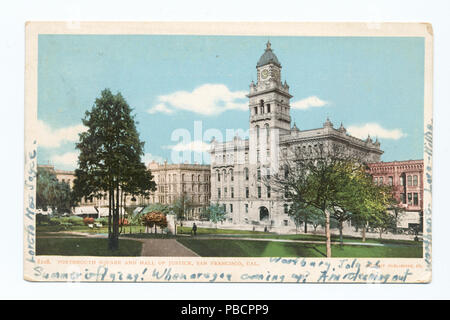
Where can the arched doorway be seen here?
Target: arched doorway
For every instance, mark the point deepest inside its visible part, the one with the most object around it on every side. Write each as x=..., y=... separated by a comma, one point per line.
x=263, y=214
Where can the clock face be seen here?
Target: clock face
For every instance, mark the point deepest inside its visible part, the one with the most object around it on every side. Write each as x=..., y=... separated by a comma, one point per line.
x=264, y=74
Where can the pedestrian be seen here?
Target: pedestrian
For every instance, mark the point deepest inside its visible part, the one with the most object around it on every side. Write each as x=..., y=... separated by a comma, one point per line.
x=194, y=229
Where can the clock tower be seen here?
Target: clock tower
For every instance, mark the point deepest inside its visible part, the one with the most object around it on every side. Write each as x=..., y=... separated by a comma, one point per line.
x=269, y=97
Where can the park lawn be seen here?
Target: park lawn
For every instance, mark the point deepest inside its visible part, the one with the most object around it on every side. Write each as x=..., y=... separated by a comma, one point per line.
x=201, y=231
x=335, y=238
x=249, y=248
x=86, y=247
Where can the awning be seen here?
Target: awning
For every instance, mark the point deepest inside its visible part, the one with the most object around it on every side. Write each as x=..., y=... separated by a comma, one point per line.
x=85, y=210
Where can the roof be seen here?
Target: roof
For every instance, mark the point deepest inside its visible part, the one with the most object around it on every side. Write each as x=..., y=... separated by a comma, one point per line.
x=268, y=57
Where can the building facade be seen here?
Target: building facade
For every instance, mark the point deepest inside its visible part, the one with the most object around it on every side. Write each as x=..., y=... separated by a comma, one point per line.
x=238, y=166
x=406, y=178
x=174, y=181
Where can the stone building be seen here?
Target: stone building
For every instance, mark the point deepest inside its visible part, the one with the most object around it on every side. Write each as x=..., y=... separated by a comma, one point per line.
x=237, y=166
x=172, y=181
x=406, y=177
x=176, y=180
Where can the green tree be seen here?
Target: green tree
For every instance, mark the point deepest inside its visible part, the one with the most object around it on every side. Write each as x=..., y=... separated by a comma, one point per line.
x=181, y=205
x=110, y=158
x=216, y=213
x=301, y=213
x=50, y=193
x=325, y=178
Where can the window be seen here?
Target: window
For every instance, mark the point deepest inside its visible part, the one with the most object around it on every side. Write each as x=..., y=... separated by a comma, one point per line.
x=256, y=110
x=231, y=207
x=416, y=199
x=286, y=171
x=231, y=175
x=182, y=177
x=257, y=133
x=232, y=192
x=246, y=208
x=246, y=173
x=266, y=126
x=268, y=174
x=258, y=174
x=409, y=181
x=218, y=176
x=247, y=192
x=268, y=108
x=391, y=181
x=224, y=207
x=409, y=198
x=268, y=192
x=218, y=193
x=225, y=191
x=259, y=192
x=415, y=181
x=380, y=181
x=224, y=175
x=375, y=180
x=286, y=223
x=286, y=208
x=286, y=191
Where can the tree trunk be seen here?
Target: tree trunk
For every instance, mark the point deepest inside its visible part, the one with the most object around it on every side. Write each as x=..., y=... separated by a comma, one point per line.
x=306, y=225
x=363, y=232
x=327, y=232
x=341, y=236
x=110, y=221
x=381, y=233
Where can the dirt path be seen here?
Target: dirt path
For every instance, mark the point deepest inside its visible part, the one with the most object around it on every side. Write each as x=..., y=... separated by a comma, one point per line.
x=164, y=248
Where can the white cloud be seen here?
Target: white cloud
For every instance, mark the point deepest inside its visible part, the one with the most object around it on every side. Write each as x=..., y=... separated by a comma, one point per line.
x=68, y=159
x=310, y=102
x=375, y=130
x=196, y=146
x=208, y=99
x=148, y=157
x=54, y=138
x=160, y=108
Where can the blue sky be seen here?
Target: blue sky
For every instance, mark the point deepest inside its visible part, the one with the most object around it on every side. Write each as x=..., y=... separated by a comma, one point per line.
x=372, y=85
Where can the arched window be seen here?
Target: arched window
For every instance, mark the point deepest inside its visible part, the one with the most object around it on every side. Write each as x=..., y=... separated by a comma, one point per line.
x=415, y=181
x=409, y=181
x=231, y=175
x=261, y=106
x=224, y=175
x=218, y=175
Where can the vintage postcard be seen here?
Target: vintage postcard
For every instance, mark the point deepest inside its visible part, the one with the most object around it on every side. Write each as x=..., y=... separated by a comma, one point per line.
x=228, y=152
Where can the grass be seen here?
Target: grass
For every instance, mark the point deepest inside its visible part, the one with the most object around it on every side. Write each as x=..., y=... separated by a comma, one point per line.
x=249, y=248
x=86, y=247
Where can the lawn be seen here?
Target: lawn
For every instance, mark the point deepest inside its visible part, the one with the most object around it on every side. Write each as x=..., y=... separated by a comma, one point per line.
x=85, y=247
x=250, y=248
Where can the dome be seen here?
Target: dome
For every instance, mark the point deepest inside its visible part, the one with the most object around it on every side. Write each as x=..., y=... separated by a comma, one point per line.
x=268, y=57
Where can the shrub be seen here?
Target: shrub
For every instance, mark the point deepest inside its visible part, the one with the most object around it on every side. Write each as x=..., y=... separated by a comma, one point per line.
x=88, y=220
x=54, y=222
x=154, y=218
x=76, y=221
x=103, y=221
x=42, y=219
